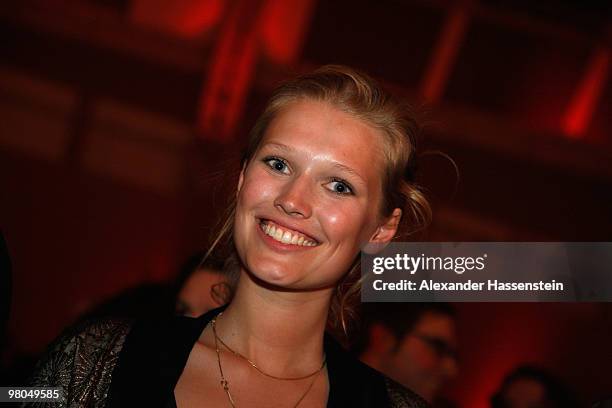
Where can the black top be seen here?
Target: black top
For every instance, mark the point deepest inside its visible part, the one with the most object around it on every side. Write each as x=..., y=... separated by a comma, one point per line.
x=155, y=353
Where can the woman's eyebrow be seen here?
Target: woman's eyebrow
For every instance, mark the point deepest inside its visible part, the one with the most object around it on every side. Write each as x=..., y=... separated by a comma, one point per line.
x=334, y=164
x=279, y=146
x=349, y=170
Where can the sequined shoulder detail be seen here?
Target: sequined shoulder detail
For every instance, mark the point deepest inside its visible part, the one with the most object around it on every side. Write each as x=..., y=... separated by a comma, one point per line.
x=402, y=397
x=81, y=361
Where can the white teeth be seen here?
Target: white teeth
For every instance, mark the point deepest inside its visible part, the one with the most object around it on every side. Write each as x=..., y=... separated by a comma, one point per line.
x=278, y=234
x=286, y=237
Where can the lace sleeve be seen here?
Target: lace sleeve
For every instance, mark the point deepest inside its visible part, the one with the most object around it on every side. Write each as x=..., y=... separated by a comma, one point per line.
x=81, y=361
x=402, y=397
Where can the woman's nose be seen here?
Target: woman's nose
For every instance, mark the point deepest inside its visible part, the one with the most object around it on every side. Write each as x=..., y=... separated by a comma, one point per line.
x=295, y=198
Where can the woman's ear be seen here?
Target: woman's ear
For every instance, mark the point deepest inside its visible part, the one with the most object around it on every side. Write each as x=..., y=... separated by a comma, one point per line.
x=384, y=233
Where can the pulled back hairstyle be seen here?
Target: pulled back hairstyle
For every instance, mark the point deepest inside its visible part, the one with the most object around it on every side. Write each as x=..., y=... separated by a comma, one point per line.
x=359, y=95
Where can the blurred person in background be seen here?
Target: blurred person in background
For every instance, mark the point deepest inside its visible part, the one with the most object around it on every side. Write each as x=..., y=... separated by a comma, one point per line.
x=532, y=387
x=204, y=285
x=413, y=343
x=198, y=287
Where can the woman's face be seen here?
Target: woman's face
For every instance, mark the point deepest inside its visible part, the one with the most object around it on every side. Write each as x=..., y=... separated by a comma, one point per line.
x=309, y=198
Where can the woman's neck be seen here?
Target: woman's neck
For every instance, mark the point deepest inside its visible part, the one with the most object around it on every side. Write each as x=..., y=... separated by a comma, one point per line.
x=282, y=332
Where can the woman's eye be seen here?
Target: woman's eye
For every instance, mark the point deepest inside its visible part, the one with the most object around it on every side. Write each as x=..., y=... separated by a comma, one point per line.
x=340, y=187
x=277, y=164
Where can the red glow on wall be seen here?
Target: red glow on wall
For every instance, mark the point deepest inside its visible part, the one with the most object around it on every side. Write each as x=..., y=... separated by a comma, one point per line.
x=283, y=28
x=185, y=18
x=444, y=54
x=496, y=338
x=274, y=28
x=230, y=73
x=578, y=115
x=489, y=358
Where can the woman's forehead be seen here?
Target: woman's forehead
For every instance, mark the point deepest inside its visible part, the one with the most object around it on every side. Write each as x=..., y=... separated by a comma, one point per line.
x=321, y=130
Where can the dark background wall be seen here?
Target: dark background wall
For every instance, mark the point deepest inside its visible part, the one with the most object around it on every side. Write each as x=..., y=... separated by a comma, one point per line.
x=121, y=124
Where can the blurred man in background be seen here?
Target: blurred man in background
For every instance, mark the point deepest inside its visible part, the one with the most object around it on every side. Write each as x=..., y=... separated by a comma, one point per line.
x=413, y=343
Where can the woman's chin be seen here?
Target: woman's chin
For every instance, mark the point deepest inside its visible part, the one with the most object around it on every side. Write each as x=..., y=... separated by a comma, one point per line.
x=275, y=278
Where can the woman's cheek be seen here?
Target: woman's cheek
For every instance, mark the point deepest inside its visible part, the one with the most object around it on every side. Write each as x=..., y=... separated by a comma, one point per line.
x=343, y=220
x=254, y=192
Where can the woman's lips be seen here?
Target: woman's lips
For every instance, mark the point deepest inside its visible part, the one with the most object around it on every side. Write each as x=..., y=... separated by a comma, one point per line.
x=284, y=235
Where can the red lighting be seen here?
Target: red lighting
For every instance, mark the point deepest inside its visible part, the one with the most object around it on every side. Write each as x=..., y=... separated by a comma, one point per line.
x=186, y=18
x=275, y=28
x=580, y=111
x=444, y=54
x=284, y=27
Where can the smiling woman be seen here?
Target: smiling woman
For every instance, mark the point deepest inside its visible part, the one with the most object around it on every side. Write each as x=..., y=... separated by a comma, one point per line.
x=328, y=172
x=323, y=185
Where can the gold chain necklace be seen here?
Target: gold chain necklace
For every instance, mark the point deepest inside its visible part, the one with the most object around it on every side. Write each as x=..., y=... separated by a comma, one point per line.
x=237, y=354
x=225, y=383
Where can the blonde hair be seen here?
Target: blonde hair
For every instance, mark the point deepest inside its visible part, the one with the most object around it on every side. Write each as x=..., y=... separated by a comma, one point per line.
x=359, y=95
